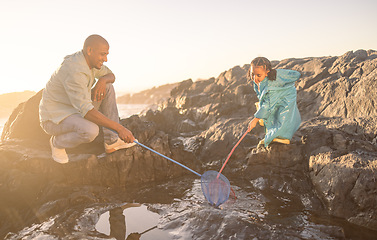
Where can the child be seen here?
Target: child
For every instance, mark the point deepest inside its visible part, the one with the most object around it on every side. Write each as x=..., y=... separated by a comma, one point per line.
x=277, y=109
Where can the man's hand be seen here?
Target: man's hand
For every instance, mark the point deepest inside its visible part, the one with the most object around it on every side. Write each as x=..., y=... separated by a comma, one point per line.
x=99, y=90
x=126, y=135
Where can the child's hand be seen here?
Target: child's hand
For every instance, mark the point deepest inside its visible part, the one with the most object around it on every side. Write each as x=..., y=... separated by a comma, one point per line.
x=252, y=124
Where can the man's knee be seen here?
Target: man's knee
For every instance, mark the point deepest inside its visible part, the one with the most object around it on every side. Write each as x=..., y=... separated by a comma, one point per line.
x=90, y=132
x=109, y=87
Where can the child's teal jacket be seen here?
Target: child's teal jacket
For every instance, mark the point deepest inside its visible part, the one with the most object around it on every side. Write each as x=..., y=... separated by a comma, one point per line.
x=278, y=105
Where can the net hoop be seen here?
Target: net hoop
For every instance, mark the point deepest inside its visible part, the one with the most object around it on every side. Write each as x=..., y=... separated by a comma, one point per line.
x=215, y=187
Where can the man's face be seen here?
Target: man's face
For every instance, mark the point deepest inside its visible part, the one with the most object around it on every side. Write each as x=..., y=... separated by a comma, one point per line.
x=97, y=55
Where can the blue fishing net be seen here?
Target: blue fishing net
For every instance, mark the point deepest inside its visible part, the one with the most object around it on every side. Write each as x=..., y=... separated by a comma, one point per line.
x=215, y=187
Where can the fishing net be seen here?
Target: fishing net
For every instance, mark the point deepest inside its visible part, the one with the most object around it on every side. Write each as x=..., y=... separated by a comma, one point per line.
x=215, y=187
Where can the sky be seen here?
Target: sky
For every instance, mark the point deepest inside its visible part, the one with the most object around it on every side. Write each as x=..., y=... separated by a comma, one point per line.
x=158, y=42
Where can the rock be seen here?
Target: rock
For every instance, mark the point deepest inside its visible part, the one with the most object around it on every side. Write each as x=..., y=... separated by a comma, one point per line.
x=347, y=185
x=340, y=161
x=23, y=127
x=339, y=141
x=182, y=86
x=30, y=178
x=333, y=86
x=23, y=123
x=187, y=125
x=235, y=74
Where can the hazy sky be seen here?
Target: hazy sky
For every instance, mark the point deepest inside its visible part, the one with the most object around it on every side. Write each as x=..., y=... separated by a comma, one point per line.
x=165, y=41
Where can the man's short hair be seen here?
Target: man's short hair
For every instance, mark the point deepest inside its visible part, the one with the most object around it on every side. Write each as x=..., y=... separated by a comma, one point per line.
x=93, y=40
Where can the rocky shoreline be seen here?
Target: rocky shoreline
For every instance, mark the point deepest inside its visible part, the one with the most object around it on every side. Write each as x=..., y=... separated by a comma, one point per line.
x=331, y=164
x=149, y=96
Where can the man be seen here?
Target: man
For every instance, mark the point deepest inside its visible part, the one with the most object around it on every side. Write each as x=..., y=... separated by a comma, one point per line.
x=74, y=104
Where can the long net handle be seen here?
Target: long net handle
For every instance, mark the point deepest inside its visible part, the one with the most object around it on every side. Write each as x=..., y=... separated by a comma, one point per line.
x=180, y=164
x=231, y=152
x=148, y=230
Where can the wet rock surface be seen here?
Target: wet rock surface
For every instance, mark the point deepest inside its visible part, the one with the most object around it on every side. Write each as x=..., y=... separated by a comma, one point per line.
x=321, y=186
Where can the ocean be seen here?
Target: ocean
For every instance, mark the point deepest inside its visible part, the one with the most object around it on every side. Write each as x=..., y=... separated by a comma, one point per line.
x=125, y=111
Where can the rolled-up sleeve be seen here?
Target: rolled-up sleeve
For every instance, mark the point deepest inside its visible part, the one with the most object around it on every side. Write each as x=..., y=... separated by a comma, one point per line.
x=102, y=72
x=76, y=87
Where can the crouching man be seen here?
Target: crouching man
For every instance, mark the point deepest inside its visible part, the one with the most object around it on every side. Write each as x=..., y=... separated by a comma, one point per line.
x=80, y=97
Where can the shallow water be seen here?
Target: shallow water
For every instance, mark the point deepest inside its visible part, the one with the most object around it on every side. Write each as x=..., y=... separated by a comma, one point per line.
x=252, y=213
x=131, y=219
x=177, y=210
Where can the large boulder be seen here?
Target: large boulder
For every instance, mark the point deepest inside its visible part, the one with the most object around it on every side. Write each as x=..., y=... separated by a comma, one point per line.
x=347, y=185
x=337, y=86
x=343, y=166
x=23, y=127
x=23, y=123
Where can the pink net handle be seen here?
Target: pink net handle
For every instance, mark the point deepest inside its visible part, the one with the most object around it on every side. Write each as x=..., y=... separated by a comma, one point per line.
x=231, y=152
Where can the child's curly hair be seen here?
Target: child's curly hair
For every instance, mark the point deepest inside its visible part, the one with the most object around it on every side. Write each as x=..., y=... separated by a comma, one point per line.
x=263, y=62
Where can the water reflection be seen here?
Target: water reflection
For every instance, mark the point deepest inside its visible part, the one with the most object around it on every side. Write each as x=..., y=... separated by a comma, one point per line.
x=264, y=208
x=117, y=224
x=141, y=223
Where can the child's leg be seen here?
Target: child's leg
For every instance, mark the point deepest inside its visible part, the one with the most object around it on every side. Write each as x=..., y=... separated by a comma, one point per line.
x=281, y=140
